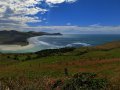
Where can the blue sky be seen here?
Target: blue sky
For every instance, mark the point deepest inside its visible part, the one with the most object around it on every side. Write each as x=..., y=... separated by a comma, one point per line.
x=74, y=16
x=84, y=13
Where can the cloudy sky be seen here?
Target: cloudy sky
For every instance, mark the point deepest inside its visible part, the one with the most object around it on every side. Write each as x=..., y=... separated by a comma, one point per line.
x=65, y=16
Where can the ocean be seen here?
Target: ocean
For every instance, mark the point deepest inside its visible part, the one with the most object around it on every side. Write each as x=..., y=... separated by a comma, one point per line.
x=67, y=40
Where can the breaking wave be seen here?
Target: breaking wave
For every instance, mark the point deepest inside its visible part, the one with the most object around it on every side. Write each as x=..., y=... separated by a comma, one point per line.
x=77, y=44
x=36, y=41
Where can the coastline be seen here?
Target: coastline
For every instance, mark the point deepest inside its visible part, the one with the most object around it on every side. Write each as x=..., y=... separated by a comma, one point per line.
x=15, y=47
x=38, y=43
x=19, y=47
x=19, y=40
x=33, y=46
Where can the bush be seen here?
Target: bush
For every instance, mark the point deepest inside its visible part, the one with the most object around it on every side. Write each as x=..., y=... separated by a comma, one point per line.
x=85, y=81
x=50, y=52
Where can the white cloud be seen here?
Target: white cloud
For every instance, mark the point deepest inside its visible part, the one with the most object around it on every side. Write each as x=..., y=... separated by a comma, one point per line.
x=69, y=24
x=91, y=29
x=19, y=11
x=77, y=29
x=23, y=11
x=59, y=1
x=55, y=1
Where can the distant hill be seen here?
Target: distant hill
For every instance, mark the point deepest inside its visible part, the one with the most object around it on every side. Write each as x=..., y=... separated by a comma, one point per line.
x=14, y=37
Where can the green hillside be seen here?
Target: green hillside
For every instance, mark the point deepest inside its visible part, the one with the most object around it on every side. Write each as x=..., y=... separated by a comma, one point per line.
x=53, y=68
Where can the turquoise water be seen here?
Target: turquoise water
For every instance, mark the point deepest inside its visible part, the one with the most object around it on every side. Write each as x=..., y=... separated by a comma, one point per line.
x=71, y=40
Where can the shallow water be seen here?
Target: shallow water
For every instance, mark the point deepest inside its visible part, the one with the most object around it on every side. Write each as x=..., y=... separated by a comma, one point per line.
x=69, y=40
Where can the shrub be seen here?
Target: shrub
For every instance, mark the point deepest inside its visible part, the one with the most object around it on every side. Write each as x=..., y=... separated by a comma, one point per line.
x=85, y=81
x=50, y=52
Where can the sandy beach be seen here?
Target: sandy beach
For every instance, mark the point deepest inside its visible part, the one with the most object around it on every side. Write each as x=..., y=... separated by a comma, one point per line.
x=31, y=44
x=15, y=47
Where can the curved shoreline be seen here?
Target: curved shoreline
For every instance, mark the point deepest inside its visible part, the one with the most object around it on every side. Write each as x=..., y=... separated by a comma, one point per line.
x=19, y=47
x=33, y=46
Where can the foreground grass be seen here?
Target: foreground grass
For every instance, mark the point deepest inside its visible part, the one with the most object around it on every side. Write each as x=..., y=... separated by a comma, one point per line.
x=103, y=60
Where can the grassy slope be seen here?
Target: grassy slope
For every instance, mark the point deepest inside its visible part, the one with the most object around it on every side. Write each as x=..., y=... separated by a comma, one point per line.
x=104, y=60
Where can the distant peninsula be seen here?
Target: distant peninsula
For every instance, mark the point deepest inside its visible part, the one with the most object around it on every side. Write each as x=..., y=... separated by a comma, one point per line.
x=14, y=37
